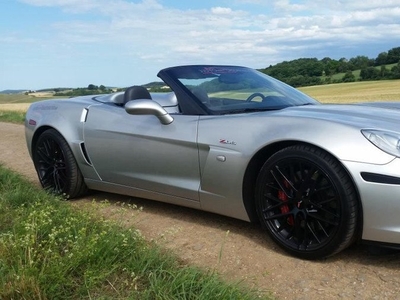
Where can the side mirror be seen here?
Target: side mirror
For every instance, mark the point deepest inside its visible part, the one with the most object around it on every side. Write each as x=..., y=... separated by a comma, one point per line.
x=148, y=107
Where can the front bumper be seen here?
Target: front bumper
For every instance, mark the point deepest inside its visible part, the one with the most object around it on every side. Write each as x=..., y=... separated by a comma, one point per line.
x=379, y=191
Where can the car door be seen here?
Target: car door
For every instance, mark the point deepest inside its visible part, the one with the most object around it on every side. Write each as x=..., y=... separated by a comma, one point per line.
x=139, y=151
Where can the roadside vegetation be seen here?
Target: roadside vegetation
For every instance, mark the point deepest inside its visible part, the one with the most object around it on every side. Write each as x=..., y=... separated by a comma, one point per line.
x=50, y=250
x=10, y=116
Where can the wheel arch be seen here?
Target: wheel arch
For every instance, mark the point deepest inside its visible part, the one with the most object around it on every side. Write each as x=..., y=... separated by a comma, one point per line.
x=257, y=161
x=78, y=149
x=60, y=161
x=38, y=132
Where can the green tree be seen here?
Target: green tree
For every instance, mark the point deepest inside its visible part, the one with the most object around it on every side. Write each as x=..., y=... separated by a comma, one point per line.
x=342, y=66
x=381, y=59
x=370, y=73
x=360, y=62
x=395, y=71
x=349, y=77
x=384, y=72
x=393, y=56
x=92, y=87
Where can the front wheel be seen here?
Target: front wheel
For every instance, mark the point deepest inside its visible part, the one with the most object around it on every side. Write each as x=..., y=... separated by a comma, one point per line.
x=306, y=202
x=56, y=167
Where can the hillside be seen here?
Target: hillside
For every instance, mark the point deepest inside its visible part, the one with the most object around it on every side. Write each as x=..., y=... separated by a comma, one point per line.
x=311, y=71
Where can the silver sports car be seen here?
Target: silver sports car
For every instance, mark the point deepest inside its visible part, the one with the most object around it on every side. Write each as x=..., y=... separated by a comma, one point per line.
x=236, y=142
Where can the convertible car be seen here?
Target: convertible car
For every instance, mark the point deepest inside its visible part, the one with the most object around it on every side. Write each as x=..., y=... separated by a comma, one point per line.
x=236, y=142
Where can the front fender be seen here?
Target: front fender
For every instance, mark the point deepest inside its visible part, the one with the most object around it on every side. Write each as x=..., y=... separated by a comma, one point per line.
x=65, y=117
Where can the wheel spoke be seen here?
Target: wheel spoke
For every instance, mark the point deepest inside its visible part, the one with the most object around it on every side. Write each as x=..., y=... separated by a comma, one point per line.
x=281, y=185
x=313, y=233
x=284, y=226
x=308, y=181
x=59, y=182
x=323, y=219
x=277, y=216
x=46, y=176
x=286, y=179
x=273, y=207
x=293, y=174
x=321, y=208
x=322, y=229
x=298, y=230
x=323, y=202
x=272, y=186
x=44, y=158
x=271, y=197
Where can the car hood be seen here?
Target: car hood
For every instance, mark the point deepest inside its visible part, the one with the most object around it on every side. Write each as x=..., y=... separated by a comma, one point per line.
x=360, y=116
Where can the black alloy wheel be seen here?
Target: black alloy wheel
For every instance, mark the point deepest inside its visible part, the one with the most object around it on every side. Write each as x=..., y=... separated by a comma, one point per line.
x=307, y=202
x=56, y=167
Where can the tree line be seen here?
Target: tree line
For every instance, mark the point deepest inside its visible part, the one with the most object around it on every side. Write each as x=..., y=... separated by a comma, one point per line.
x=311, y=71
x=91, y=89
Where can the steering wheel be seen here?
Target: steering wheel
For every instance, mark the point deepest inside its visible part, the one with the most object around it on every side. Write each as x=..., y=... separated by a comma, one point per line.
x=254, y=95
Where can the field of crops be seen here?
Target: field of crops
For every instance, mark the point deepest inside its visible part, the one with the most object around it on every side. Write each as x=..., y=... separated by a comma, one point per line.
x=20, y=102
x=364, y=91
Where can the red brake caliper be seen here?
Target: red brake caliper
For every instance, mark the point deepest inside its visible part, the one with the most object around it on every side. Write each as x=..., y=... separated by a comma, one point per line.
x=285, y=208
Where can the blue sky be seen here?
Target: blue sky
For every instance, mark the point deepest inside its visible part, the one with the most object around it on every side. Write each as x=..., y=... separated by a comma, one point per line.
x=73, y=43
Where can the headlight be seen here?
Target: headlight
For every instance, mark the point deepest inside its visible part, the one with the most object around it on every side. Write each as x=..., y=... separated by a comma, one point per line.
x=385, y=140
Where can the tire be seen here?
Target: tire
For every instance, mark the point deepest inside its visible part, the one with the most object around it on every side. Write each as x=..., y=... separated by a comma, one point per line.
x=56, y=167
x=306, y=202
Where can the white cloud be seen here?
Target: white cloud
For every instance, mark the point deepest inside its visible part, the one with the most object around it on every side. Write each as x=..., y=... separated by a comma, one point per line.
x=148, y=20
x=248, y=32
x=221, y=10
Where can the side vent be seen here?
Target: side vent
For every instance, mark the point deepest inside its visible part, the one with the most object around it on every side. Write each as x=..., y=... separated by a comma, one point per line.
x=84, y=153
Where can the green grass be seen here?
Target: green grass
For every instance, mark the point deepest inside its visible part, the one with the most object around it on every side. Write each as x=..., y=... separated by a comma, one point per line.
x=50, y=250
x=16, y=117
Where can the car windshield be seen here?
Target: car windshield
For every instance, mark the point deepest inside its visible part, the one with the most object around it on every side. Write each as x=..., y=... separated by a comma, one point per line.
x=231, y=89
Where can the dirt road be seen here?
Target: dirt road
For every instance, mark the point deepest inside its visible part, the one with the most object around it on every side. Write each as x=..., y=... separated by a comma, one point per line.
x=236, y=249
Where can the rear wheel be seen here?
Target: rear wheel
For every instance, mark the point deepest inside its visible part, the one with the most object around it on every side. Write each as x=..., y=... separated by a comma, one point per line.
x=307, y=202
x=56, y=166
